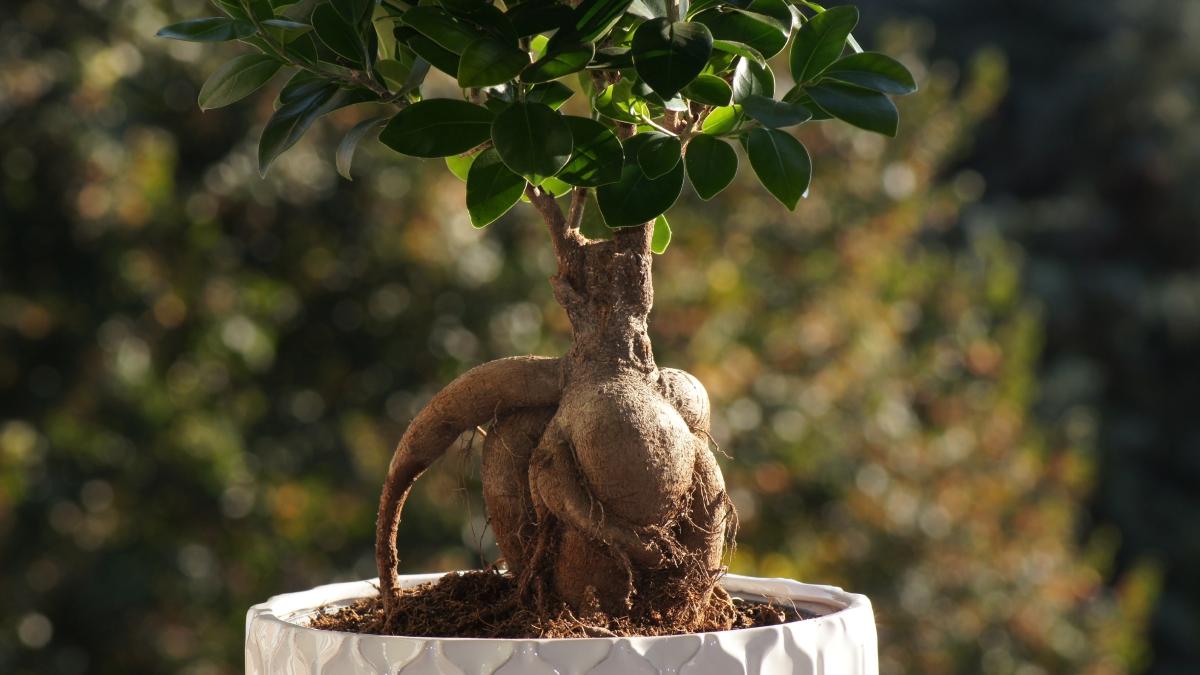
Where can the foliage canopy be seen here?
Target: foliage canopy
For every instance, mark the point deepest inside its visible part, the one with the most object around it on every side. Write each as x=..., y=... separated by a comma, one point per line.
x=659, y=88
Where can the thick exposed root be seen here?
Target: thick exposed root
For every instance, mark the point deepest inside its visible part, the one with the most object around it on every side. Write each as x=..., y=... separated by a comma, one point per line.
x=476, y=397
x=505, y=476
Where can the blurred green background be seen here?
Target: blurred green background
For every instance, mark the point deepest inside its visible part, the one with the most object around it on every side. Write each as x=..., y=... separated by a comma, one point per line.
x=964, y=378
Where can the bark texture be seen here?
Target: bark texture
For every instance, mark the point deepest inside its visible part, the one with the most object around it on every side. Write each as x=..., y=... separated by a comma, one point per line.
x=597, y=474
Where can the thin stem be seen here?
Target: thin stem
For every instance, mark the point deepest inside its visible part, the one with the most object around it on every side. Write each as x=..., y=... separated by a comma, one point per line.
x=578, y=204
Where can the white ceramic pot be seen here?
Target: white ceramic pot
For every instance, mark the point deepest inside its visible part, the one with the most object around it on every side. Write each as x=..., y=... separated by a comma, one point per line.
x=839, y=642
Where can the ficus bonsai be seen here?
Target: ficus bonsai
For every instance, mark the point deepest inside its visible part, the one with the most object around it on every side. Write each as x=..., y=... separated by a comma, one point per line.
x=597, y=473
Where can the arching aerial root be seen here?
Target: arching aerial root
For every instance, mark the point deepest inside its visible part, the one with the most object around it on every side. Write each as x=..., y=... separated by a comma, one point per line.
x=479, y=395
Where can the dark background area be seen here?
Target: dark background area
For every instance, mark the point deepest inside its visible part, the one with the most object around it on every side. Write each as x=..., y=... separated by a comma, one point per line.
x=962, y=378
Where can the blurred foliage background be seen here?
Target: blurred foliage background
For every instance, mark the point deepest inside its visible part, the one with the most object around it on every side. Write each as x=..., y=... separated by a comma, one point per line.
x=963, y=378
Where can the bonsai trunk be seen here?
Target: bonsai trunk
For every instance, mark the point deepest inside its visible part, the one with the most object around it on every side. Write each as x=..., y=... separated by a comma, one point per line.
x=597, y=474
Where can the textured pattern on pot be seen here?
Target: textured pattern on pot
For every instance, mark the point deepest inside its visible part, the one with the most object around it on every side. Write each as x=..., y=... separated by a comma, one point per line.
x=841, y=641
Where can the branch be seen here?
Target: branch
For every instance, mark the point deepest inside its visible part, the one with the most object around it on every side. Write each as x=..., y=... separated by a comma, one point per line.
x=578, y=204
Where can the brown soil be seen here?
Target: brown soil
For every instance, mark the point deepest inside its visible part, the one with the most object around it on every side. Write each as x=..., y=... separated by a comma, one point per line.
x=488, y=605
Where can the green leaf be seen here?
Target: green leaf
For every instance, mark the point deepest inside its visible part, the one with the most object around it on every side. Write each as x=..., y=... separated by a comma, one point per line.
x=345, y=151
x=709, y=90
x=618, y=103
x=820, y=41
x=556, y=187
x=636, y=199
x=762, y=33
x=590, y=20
x=722, y=120
x=597, y=156
x=661, y=238
x=711, y=165
x=236, y=80
x=593, y=226
x=863, y=108
x=612, y=58
x=437, y=127
x=393, y=72
x=460, y=165
x=875, y=71
x=668, y=56
x=438, y=25
x=353, y=11
x=291, y=120
x=336, y=34
x=772, y=113
x=286, y=30
x=781, y=163
x=751, y=79
x=488, y=61
x=739, y=49
x=659, y=155
x=211, y=29
x=559, y=61
x=538, y=16
x=492, y=188
x=533, y=140
x=553, y=94
x=800, y=97
x=438, y=56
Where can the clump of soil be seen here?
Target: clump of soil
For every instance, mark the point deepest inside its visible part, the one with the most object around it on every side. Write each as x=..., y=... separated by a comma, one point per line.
x=487, y=604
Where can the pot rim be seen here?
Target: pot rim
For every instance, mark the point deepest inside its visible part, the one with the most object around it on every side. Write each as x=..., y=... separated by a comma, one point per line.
x=288, y=608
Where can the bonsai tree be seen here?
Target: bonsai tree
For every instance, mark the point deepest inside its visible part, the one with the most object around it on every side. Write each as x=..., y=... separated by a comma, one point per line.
x=598, y=476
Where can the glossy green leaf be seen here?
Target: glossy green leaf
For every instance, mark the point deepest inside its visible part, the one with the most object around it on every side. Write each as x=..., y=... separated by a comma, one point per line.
x=709, y=90
x=533, y=140
x=863, y=108
x=722, y=120
x=335, y=33
x=236, y=80
x=820, y=41
x=668, y=56
x=556, y=187
x=538, y=16
x=344, y=157
x=762, y=33
x=559, y=61
x=739, y=49
x=590, y=20
x=291, y=120
x=612, y=58
x=438, y=127
x=751, y=79
x=441, y=58
x=492, y=188
x=211, y=29
x=393, y=72
x=636, y=199
x=596, y=157
x=353, y=11
x=488, y=61
x=553, y=94
x=617, y=102
x=438, y=25
x=460, y=165
x=593, y=226
x=660, y=239
x=285, y=30
x=659, y=154
x=776, y=9
x=775, y=114
x=875, y=71
x=711, y=165
x=781, y=163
